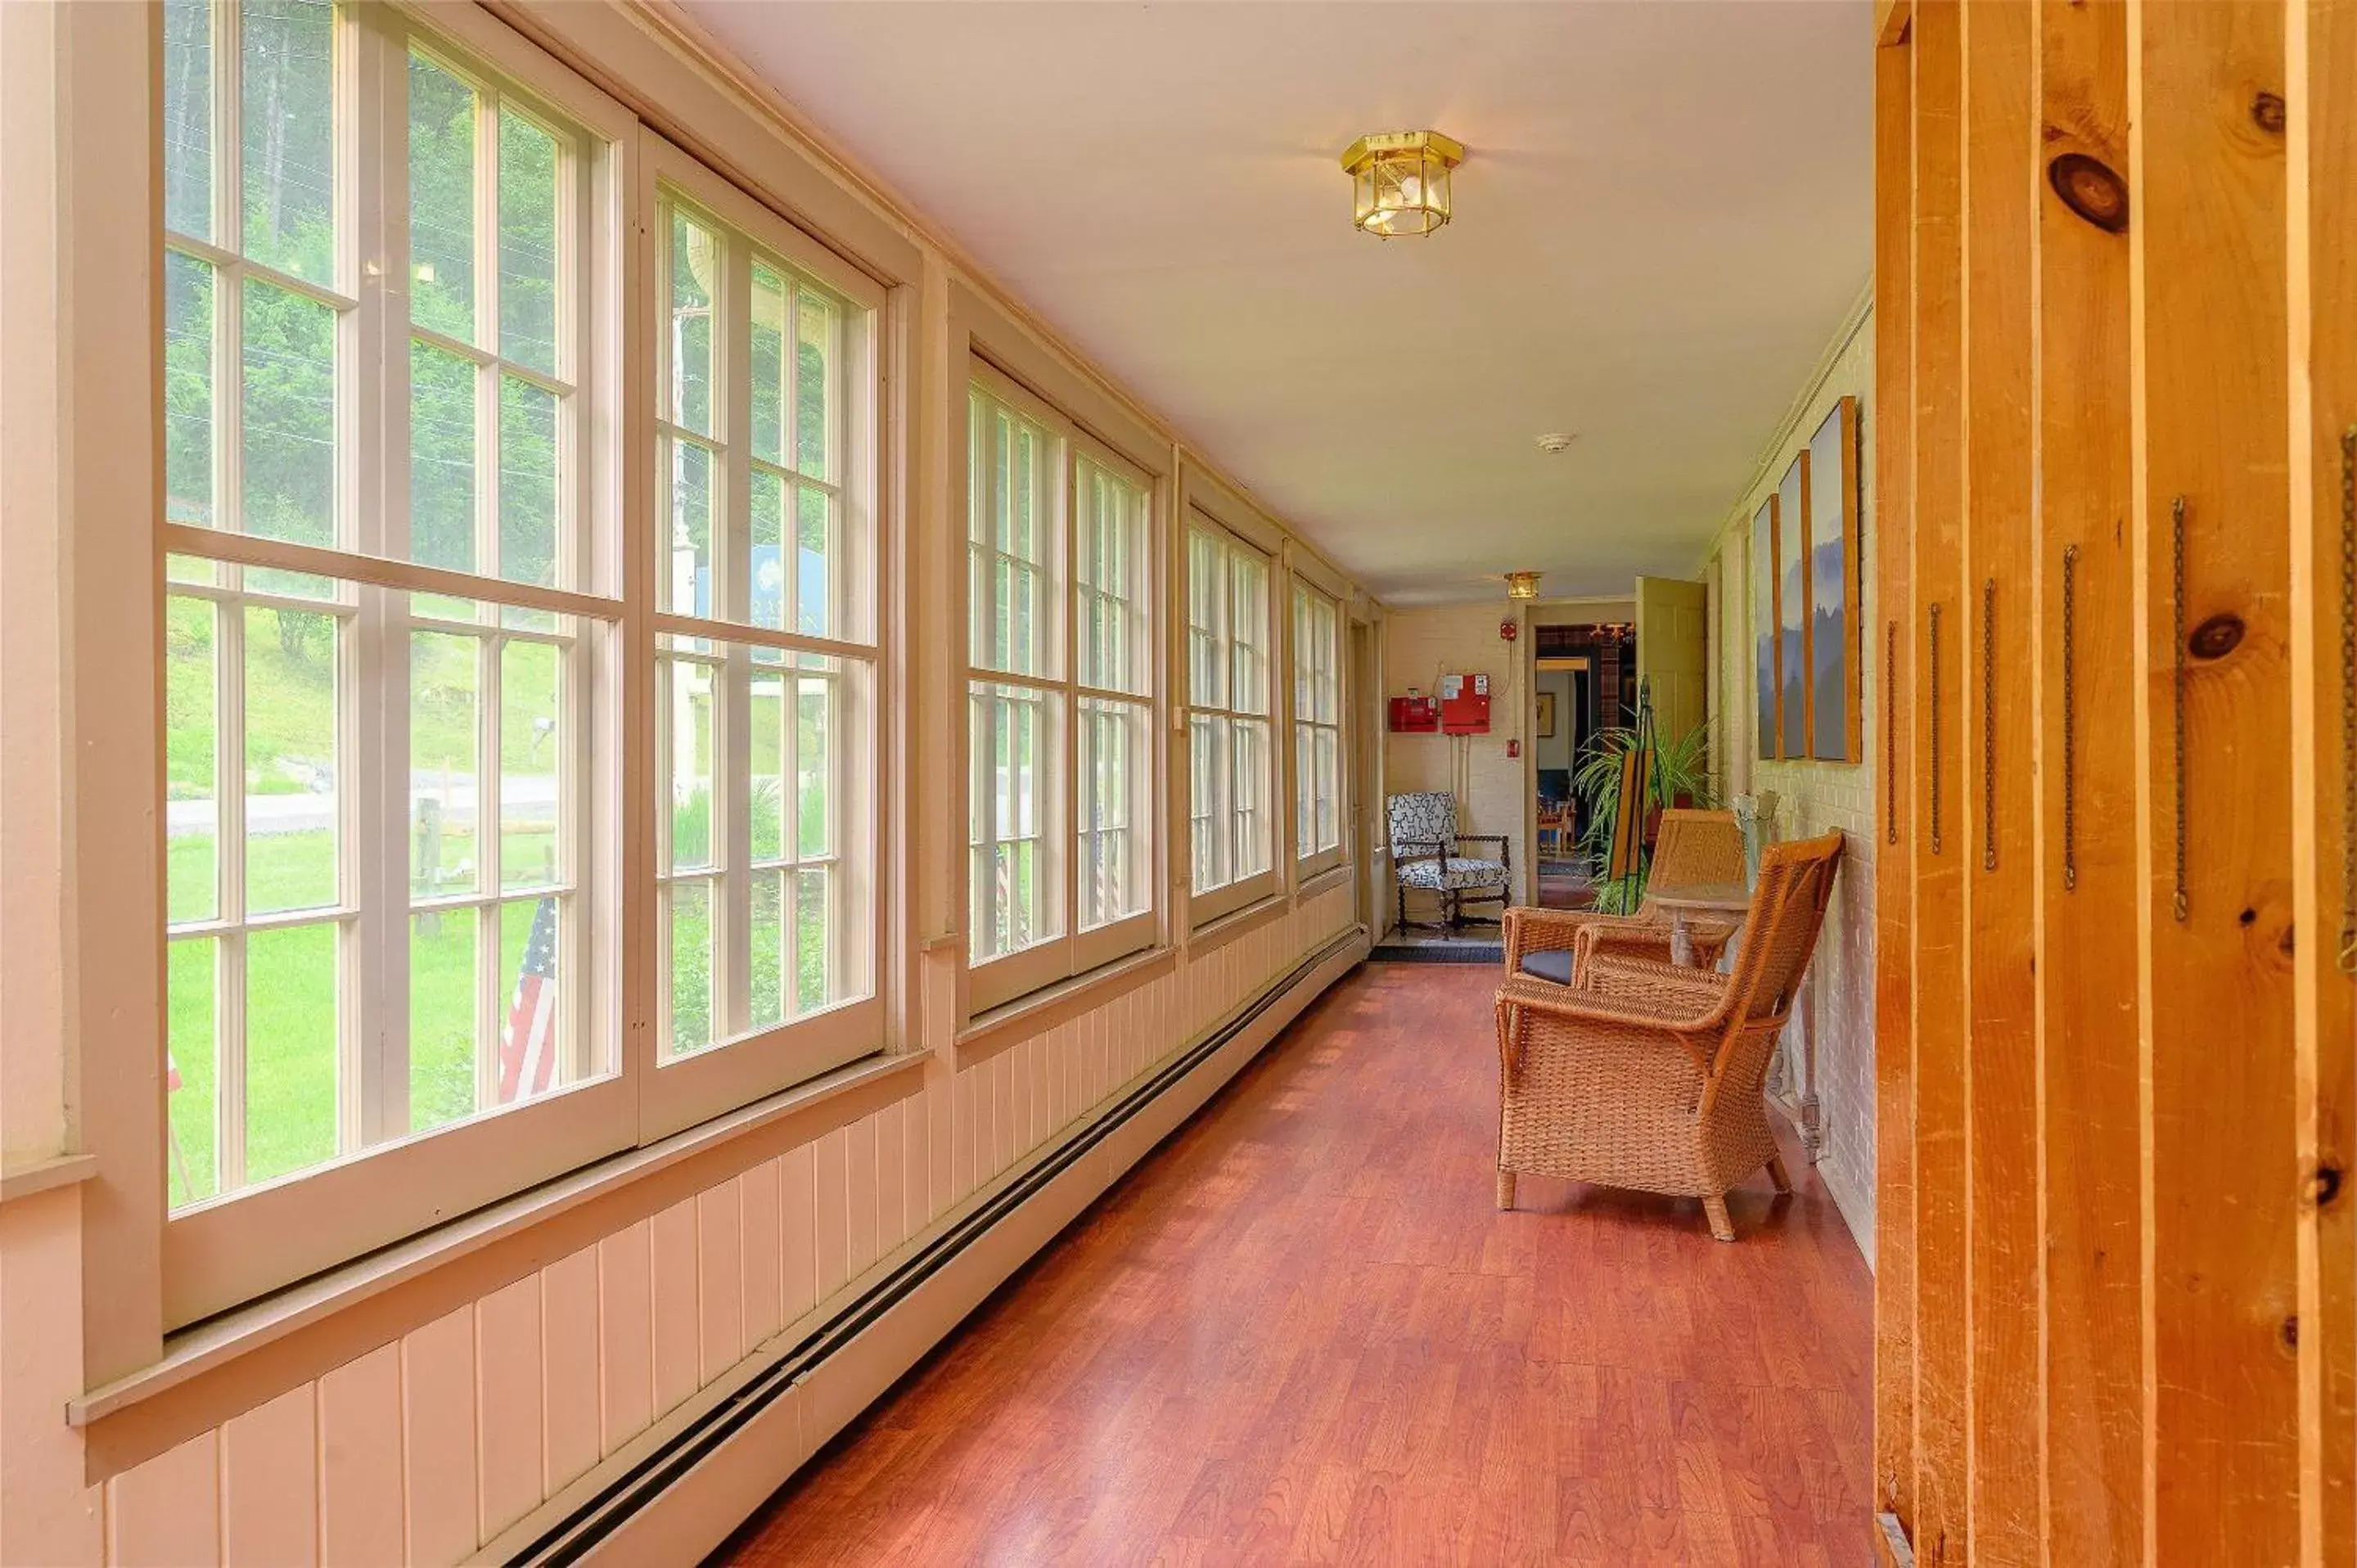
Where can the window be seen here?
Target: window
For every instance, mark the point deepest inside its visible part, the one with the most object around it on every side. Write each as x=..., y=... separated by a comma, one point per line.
x=389, y=644
x=765, y=663
x=1060, y=863
x=1317, y=730
x=1228, y=720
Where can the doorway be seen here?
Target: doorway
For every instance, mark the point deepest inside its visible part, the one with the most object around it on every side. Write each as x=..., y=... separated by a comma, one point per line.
x=1583, y=681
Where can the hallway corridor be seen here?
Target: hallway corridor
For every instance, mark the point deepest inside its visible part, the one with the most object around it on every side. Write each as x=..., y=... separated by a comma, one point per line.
x=1301, y=1332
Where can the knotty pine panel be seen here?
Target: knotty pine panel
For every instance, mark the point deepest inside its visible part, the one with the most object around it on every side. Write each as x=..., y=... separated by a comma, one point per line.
x=2092, y=1130
x=1998, y=706
x=1938, y=848
x=2207, y=160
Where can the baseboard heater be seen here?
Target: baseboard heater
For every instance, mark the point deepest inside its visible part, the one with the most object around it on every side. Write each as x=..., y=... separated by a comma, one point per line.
x=579, y=1532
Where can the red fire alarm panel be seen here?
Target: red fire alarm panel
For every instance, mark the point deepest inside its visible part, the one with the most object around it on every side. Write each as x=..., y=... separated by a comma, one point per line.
x=1465, y=704
x=1415, y=714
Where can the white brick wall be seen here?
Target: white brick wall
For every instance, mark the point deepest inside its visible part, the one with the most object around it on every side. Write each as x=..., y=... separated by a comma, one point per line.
x=1816, y=798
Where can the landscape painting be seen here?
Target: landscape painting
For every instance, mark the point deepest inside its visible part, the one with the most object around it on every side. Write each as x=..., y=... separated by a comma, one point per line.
x=1831, y=488
x=1766, y=679
x=1793, y=606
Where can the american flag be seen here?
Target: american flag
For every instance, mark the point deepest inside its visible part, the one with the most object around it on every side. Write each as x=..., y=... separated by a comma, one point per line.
x=528, y=1049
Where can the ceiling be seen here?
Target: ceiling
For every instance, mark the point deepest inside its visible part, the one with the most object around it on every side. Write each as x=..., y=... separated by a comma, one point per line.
x=1664, y=216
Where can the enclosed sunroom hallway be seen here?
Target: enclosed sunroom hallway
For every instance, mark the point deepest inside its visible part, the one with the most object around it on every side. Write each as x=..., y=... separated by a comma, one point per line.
x=1302, y=1332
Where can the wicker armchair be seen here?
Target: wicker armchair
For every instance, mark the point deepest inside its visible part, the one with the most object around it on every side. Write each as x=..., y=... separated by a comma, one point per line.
x=1693, y=847
x=1648, y=1075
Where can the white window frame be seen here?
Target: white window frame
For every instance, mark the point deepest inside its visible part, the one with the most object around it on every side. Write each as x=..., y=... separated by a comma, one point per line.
x=1319, y=710
x=1240, y=822
x=742, y=1063
x=239, y=1243
x=1068, y=948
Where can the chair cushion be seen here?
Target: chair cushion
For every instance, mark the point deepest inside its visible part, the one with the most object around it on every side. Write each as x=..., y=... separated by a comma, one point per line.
x=1423, y=817
x=1427, y=874
x=1549, y=963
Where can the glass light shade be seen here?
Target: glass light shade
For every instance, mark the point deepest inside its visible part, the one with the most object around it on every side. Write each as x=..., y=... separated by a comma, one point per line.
x=1522, y=584
x=1400, y=182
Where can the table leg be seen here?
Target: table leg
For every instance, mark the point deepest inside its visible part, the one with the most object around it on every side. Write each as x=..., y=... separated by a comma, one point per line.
x=1681, y=940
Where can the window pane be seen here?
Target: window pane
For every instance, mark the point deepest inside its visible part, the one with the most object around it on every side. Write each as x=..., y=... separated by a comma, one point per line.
x=773, y=958
x=813, y=753
x=189, y=294
x=528, y=286
x=1114, y=812
x=688, y=912
x=289, y=357
x=442, y=1000
x=814, y=355
x=689, y=568
x=191, y=760
x=1248, y=605
x=771, y=760
x=1112, y=545
x=770, y=332
x=813, y=565
x=188, y=117
x=818, y=979
x=532, y=747
x=1251, y=776
x=771, y=564
x=1014, y=752
x=444, y=791
x=289, y=153
x=441, y=458
x=688, y=761
x=291, y=662
x=1206, y=618
x=532, y=1058
x=694, y=274
x=442, y=115
x=528, y=495
x=1206, y=769
x=1329, y=790
x=290, y=1050
x=189, y=1069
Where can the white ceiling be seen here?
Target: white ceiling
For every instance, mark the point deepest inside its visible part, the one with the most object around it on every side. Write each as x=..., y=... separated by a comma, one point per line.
x=1663, y=215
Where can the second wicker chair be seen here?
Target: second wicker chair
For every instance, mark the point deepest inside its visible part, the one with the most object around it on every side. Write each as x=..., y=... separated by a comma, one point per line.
x=1693, y=847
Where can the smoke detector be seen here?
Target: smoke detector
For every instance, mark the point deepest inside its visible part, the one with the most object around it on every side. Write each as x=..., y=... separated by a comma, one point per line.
x=1555, y=441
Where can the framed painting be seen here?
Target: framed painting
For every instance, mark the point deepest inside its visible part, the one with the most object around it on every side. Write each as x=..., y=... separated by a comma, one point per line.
x=1546, y=716
x=1831, y=486
x=1792, y=608
x=1767, y=678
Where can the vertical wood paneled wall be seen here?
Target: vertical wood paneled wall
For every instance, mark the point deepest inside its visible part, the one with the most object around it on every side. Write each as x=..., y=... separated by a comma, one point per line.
x=2117, y=1293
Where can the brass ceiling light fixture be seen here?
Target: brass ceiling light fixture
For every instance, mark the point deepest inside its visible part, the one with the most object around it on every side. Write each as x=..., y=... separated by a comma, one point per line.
x=1400, y=181
x=1522, y=584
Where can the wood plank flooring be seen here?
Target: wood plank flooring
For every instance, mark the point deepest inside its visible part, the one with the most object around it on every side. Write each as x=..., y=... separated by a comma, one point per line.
x=1302, y=1332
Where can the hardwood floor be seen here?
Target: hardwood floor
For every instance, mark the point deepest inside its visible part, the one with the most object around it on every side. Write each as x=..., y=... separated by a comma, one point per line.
x=1302, y=1332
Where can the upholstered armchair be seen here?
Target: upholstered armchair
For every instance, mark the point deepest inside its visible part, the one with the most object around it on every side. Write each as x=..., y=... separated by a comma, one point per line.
x=1651, y=1076
x=1692, y=847
x=1425, y=856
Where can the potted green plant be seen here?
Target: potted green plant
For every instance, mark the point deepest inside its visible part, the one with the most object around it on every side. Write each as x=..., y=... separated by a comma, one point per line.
x=1680, y=776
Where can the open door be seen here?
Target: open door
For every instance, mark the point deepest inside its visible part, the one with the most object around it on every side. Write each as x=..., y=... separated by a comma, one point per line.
x=1674, y=653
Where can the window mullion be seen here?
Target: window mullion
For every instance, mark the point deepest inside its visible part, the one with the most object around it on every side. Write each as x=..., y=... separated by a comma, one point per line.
x=372, y=439
x=1066, y=835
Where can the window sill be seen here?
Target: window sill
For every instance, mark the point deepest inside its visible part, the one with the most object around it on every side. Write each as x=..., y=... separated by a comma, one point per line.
x=43, y=1175
x=1324, y=881
x=1218, y=933
x=1011, y=1022
x=217, y=1369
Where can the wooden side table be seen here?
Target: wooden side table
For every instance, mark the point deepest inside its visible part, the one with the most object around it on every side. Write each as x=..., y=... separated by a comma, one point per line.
x=1697, y=898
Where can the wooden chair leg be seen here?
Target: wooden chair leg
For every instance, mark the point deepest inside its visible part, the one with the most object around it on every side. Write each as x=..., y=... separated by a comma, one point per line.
x=1715, y=1210
x=1778, y=1173
x=1505, y=1188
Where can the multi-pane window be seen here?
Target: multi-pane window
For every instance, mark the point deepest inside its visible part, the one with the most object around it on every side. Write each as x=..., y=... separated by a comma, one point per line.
x=1228, y=720
x=1059, y=872
x=382, y=636
x=1316, y=727
x=765, y=657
